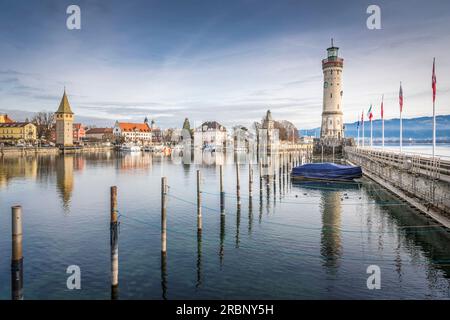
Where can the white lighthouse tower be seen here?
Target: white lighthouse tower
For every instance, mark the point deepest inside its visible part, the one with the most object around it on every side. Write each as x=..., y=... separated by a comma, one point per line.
x=332, y=130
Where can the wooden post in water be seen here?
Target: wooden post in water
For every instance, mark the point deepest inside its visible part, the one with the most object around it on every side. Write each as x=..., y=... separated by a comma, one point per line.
x=322, y=152
x=114, y=242
x=238, y=186
x=199, y=202
x=17, y=254
x=163, y=215
x=333, y=153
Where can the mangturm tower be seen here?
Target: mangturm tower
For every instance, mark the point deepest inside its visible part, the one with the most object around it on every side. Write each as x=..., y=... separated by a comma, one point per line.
x=64, y=123
x=332, y=127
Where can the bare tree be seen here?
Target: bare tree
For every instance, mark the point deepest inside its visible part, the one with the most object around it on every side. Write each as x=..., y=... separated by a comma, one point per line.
x=44, y=121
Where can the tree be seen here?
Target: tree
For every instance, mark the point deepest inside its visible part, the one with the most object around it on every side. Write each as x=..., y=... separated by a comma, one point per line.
x=43, y=121
x=187, y=126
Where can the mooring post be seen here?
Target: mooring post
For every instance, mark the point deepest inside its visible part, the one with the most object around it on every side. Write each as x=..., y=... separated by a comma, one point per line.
x=199, y=203
x=17, y=254
x=238, y=186
x=114, y=242
x=322, y=152
x=163, y=215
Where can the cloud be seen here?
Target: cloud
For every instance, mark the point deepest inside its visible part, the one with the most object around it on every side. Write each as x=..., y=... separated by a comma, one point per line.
x=224, y=68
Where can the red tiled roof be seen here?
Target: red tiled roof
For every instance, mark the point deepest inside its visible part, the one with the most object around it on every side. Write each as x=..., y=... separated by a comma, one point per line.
x=99, y=130
x=130, y=127
x=7, y=119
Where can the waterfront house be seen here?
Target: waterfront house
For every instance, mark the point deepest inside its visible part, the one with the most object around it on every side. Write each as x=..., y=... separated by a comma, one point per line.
x=78, y=132
x=16, y=131
x=210, y=134
x=133, y=132
x=100, y=134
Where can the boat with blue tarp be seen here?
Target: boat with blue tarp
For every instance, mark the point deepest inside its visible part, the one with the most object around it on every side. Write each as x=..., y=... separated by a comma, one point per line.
x=326, y=171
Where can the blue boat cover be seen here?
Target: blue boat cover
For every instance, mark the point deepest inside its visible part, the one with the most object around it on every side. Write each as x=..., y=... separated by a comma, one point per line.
x=327, y=170
x=323, y=166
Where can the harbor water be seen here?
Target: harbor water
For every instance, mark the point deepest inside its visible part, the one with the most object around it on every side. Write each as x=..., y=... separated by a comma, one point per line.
x=286, y=241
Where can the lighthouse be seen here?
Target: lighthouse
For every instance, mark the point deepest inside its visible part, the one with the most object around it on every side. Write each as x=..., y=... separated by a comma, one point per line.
x=332, y=129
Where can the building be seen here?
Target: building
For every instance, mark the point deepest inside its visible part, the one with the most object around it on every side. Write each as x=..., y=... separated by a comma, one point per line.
x=267, y=135
x=64, y=123
x=332, y=125
x=133, y=132
x=18, y=131
x=78, y=132
x=100, y=134
x=157, y=133
x=210, y=133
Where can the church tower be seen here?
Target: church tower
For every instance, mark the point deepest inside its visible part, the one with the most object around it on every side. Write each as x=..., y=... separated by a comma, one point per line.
x=332, y=126
x=64, y=123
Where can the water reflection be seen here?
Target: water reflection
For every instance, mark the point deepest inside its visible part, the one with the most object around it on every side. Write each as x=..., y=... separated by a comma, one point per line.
x=199, y=259
x=427, y=239
x=17, y=167
x=384, y=232
x=222, y=239
x=64, y=179
x=164, y=275
x=331, y=242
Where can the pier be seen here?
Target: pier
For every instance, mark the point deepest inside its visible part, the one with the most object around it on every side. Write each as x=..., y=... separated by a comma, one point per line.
x=422, y=181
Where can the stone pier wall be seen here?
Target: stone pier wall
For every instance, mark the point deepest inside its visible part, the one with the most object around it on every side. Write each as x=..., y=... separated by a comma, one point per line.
x=422, y=181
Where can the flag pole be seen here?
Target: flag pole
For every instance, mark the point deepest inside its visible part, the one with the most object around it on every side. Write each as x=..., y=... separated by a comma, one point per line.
x=434, y=129
x=434, y=108
x=363, y=130
x=401, y=133
x=358, y=137
x=371, y=141
x=401, y=124
x=382, y=123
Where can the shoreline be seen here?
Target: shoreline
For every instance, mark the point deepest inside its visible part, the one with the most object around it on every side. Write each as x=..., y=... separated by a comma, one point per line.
x=24, y=151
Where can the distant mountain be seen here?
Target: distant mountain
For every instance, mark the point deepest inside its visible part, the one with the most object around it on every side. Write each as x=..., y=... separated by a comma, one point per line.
x=414, y=128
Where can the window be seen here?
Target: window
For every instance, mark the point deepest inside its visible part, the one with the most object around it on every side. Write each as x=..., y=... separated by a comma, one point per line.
x=331, y=95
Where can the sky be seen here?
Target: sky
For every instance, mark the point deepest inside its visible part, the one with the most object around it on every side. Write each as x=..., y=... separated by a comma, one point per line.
x=227, y=61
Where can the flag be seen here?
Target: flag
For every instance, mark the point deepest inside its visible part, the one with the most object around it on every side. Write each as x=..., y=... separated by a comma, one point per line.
x=433, y=82
x=400, y=97
x=369, y=113
x=382, y=108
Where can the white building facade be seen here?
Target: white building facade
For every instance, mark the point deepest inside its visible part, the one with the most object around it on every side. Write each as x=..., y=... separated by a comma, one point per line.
x=210, y=134
x=133, y=132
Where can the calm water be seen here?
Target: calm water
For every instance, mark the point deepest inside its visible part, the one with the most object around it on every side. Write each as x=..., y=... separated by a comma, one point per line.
x=310, y=241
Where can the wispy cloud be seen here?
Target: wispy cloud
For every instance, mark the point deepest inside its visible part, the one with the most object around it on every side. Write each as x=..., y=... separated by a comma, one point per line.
x=229, y=64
